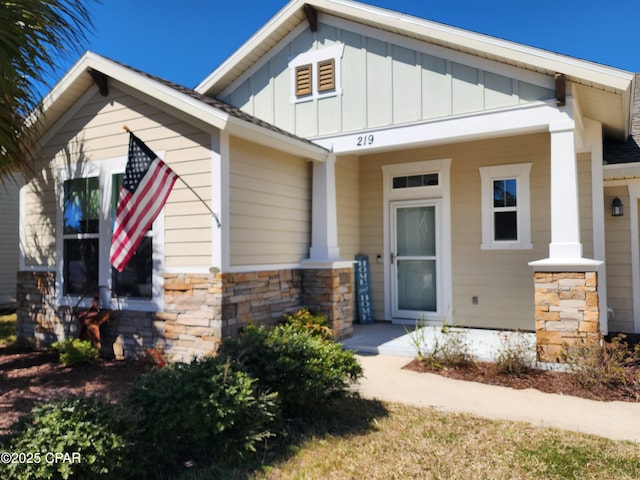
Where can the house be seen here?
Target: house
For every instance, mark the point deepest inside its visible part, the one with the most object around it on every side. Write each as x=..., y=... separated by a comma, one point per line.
x=9, y=253
x=468, y=169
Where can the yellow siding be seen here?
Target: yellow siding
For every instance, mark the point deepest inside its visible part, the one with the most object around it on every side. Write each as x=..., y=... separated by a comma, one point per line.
x=618, y=254
x=586, y=205
x=95, y=134
x=501, y=279
x=270, y=206
x=348, y=206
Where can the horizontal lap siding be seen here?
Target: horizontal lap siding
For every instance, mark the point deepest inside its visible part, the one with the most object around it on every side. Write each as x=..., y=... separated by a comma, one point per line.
x=95, y=134
x=9, y=252
x=618, y=255
x=501, y=279
x=270, y=206
x=348, y=206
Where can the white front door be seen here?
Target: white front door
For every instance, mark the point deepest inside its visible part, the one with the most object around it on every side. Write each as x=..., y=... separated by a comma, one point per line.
x=414, y=258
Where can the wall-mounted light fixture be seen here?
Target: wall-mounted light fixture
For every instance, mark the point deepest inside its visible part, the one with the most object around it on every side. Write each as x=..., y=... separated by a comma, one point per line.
x=616, y=208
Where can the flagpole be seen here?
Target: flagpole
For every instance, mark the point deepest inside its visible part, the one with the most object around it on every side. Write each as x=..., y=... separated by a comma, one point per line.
x=126, y=129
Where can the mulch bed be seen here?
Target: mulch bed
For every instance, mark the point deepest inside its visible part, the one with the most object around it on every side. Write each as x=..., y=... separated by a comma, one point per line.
x=31, y=377
x=542, y=380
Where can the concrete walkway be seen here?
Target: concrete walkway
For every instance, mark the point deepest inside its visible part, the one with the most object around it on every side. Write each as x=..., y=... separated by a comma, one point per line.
x=386, y=380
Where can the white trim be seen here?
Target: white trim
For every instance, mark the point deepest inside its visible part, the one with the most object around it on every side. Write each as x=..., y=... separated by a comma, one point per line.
x=529, y=118
x=312, y=57
x=225, y=199
x=441, y=192
x=217, y=199
x=634, y=196
x=521, y=172
x=565, y=211
x=189, y=269
x=22, y=228
x=593, y=141
x=324, y=213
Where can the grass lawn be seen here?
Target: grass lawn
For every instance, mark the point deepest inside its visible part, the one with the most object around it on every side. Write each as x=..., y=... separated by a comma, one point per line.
x=7, y=328
x=403, y=442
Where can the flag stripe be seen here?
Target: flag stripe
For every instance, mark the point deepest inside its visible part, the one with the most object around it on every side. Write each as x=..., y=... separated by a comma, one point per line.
x=139, y=219
x=128, y=204
x=145, y=188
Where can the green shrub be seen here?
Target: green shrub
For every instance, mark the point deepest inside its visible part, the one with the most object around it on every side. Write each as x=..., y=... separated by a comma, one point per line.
x=92, y=431
x=315, y=323
x=198, y=411
x=74, y=351
x=301, y=366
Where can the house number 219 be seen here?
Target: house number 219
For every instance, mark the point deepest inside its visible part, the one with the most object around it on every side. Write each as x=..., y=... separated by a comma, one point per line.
x=365, y=140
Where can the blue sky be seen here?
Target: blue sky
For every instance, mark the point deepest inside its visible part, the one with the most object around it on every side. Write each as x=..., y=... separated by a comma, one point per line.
x=185, y=41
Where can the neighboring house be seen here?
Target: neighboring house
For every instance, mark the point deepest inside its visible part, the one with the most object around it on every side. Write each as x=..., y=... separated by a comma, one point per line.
x=9, y=253
x=468, y=169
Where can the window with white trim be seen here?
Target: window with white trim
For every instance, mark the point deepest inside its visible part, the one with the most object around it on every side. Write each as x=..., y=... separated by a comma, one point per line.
x=86, y=217
x=506, y=206
x=316, y=74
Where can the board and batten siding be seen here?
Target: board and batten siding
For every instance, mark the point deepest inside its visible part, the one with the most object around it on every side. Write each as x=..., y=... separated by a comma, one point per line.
x=618, y=255
x=95, y=134
x=385, y=81
x=269, y=205
x=501, y=279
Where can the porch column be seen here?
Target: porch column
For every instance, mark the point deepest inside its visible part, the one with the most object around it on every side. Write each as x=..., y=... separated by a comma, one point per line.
x=565, y=215
x=567, y=310
x=324, y=216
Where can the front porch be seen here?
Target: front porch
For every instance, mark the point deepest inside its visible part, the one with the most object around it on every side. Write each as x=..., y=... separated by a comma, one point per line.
x=385, y=338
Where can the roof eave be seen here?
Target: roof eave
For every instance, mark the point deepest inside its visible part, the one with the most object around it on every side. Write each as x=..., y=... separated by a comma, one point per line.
x=77, y=81
x=579, y=71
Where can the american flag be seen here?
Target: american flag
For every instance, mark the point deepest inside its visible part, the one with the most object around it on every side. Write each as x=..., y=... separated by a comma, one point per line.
x=145, y=188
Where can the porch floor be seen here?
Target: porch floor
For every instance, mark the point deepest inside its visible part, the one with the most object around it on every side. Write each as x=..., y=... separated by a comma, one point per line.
x=385, y=338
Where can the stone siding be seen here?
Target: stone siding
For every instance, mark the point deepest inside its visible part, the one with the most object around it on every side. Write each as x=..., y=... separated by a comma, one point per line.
x=566, y=312
x=200, y=310
x=330, y=292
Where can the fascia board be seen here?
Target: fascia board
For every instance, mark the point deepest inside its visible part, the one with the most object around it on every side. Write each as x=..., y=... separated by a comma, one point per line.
x=163, y=93
x=580, y=70
x=264, y=136
x=256, y=39
x=606, y=76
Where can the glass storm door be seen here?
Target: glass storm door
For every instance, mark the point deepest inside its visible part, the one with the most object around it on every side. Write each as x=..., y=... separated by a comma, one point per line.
x=414, y=258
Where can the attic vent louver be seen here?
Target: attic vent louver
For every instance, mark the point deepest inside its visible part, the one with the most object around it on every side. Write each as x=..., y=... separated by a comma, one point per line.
x=303, y=80
x=326, y=75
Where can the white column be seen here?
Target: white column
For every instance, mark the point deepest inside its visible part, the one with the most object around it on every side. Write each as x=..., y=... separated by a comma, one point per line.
x=565, y=215
x=324, y=216
x=220, y=201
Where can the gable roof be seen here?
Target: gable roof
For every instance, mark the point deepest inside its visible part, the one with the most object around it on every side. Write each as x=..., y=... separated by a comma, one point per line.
x=92, y=69
x=602, y=85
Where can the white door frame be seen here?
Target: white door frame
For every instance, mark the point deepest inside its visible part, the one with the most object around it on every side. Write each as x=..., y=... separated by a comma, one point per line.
x=439, y=193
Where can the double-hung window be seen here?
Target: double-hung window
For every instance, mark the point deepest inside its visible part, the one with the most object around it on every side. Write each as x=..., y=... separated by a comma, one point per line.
x=506, y=209
x=86, y=218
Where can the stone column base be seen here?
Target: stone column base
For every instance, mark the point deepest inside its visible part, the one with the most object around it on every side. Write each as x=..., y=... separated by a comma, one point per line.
x=329, y=291
x=567, y=313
